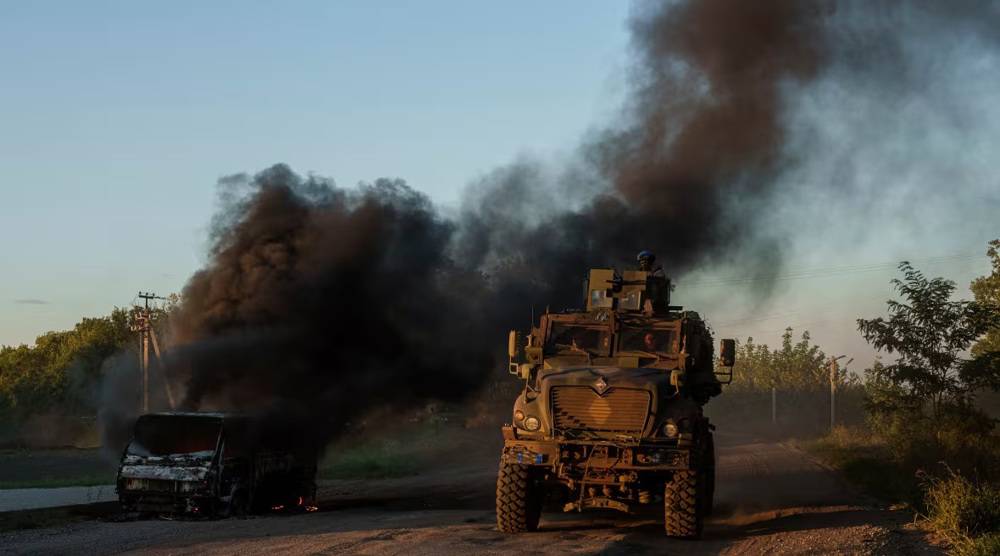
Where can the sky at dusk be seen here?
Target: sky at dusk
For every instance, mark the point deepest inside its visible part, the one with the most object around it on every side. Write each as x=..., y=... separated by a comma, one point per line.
x=118, y=118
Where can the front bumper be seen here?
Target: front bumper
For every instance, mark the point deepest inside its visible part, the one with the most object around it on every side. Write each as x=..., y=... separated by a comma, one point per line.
x=163, y=502
x=596, y=454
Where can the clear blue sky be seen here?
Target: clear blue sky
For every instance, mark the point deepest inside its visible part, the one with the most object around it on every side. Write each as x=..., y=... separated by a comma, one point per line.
x=116, y=119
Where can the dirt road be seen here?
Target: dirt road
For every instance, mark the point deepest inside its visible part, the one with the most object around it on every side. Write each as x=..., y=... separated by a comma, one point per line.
x=770, y=500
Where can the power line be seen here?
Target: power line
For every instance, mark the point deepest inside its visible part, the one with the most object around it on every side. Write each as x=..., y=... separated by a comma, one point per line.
x=825, y=272
x=837, y=319
x=799, y=309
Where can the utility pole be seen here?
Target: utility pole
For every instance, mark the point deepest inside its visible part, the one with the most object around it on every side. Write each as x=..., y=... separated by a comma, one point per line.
x=833, y=388
x=774, y=406
x=833, y=392
x=145, y=331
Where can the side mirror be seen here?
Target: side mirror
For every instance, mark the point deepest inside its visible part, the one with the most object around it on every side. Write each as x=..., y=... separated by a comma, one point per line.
x=727, y=353
x=514, y=345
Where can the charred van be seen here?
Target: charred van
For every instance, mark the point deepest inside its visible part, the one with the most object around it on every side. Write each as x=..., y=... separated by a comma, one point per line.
x=611, y=412
x=212, y=464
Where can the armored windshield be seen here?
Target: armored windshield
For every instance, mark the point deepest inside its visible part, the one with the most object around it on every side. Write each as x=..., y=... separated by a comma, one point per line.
x=649, y=340
x=165, y=435
x=590, y=339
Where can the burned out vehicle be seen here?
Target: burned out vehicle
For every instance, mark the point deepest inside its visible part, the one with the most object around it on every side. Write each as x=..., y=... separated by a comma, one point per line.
x=213, y=464
x=611, y=412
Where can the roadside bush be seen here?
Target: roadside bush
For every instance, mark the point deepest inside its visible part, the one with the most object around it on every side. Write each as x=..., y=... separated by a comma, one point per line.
x=962, y=509
x=986, y=545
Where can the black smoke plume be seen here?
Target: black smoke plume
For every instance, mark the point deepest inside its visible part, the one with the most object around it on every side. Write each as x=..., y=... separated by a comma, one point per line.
x=320, y=303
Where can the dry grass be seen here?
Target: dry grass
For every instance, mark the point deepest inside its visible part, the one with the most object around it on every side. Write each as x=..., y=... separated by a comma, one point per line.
x=965, y=511
x=866, y=460
x=900, y=470
x=986, y=545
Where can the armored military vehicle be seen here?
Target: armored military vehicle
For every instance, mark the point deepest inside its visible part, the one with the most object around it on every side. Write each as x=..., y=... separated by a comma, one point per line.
x=611, y=412
x=213, y=464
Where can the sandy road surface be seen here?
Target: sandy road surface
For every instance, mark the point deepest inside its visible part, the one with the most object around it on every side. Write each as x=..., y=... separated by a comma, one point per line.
x=770, y=500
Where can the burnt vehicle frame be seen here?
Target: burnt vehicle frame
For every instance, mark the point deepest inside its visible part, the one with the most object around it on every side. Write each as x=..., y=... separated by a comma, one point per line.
x=225, y=464
x=607, y=420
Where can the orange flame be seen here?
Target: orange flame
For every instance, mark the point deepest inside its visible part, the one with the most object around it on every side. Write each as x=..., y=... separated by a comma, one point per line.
x=278, y=507
x=311, y=508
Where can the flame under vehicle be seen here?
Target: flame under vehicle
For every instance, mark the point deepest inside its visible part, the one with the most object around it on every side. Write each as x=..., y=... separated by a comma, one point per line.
x=212, y=464
x=611, y=412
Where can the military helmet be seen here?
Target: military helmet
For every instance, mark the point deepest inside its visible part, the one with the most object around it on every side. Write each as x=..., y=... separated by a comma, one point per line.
x=645, y=256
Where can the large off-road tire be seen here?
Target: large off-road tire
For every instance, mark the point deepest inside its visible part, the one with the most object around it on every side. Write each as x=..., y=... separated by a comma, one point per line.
x=708, y=505
x=519, y=499
x=683, y=515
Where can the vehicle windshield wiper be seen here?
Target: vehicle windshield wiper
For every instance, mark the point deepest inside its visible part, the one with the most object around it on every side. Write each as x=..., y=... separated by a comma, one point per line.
x=656, y=356
x=577, y=349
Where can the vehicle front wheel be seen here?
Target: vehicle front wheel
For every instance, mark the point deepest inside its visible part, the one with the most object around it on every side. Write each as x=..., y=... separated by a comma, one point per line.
x=682, y=500
x=519, y=500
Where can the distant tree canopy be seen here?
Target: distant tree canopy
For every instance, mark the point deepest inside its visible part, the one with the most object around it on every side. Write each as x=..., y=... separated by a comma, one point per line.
x=62, y=372
x=795, y=366
x=929, y=333
x=986, y=290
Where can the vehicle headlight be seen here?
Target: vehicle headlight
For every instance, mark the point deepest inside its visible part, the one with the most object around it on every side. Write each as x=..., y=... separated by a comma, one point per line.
x=518, y=415
x=670, y=429
x=187, y=486
x=531, y=423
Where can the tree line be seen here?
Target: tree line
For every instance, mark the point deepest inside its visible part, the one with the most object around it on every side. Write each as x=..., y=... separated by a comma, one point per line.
x=63, y=371
x=945, y=353
x=935, y=380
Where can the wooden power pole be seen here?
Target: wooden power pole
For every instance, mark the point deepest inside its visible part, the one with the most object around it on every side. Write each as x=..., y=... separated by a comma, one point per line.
x=146, y=334
x=833, y=388
x=833, y=392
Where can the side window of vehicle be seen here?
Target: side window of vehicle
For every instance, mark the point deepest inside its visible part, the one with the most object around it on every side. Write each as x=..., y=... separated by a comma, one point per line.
x=594, y=339
x=648, y=340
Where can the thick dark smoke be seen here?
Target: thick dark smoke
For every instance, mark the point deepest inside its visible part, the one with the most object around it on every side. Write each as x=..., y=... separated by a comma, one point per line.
x=704, y=122
x=685, y=174
x=320, y=303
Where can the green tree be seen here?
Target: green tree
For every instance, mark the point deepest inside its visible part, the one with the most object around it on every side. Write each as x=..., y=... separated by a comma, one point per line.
x=753, y=370
x=929, y=332
x=986, y=290
x=62, y=371
x=798, y=365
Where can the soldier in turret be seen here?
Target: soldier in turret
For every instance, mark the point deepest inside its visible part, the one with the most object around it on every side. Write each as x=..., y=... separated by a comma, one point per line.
x=650, y=342
x=647, y=262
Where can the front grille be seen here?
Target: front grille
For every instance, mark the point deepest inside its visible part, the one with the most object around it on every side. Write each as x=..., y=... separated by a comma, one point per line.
x=160, y=485
x=621, y=410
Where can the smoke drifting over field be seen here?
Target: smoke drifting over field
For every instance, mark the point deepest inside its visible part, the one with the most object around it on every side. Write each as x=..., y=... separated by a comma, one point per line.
x=321, y=302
